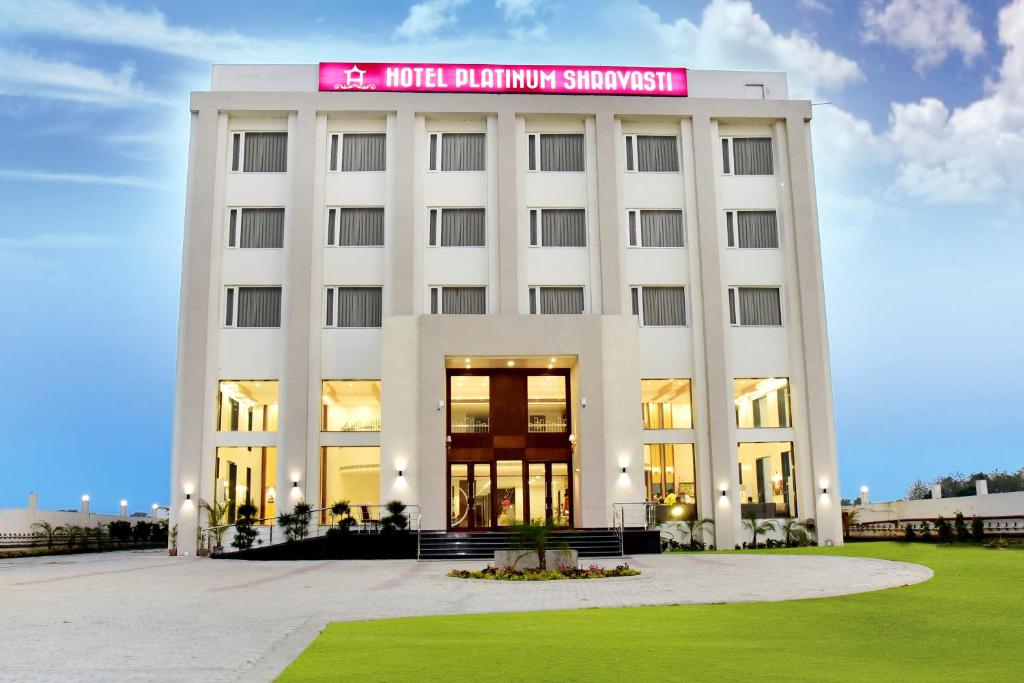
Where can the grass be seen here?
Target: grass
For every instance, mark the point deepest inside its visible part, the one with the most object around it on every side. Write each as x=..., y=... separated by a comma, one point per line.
x=966, y=623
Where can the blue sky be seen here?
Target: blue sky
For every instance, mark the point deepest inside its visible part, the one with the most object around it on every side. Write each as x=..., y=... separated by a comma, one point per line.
x=919, y=183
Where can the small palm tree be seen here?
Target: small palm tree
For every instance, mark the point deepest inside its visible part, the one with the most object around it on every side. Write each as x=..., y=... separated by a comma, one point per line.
x=758, y=527
x=48, y=531
x=341, y=515
x=73, y=533
x=849, y=519
x=795, y=532
x=98, y=534
x=532, y=538
x=216, y=516
x=695, y=527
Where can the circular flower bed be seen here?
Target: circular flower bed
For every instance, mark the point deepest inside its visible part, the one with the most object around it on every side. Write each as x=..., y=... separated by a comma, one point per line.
x=563, y=572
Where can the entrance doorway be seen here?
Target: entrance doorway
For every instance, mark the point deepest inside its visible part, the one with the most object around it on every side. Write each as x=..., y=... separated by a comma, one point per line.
x=485, y=496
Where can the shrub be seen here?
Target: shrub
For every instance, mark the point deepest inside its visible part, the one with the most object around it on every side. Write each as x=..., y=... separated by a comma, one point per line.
x=341, y=515
x=563, y=572
x=960, y=524
x=396, y=520
x=978, y=529
x=245, y=529
x=944, y=530
x=926, y=530
x=908, y=532
x=296, y=523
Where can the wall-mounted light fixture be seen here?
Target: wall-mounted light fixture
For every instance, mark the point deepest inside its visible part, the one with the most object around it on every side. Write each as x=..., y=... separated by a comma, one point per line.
x=401, y=473
x=440, y=405
x=824, y=490
x=724, y=489
x=624, y=470
x=583, y=403
x=295, y=484
x=188, y=496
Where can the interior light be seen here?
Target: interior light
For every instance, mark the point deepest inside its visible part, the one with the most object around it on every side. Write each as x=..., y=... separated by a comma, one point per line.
x=510, y=363
x=553, y=359
x=677, y=511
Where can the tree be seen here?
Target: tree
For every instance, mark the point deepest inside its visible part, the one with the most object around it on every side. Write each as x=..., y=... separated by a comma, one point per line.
x=533, y=538
x=918, y=491
x=216, y=516
x=794, y=532
x=849, y=519
x=758, y=528
x=695, y=528
x=48, y=531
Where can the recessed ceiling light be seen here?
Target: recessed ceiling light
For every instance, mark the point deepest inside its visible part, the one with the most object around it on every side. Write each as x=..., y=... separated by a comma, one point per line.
x=553, y=359
x=467, y=360
x=511, y=363
x=550, y=366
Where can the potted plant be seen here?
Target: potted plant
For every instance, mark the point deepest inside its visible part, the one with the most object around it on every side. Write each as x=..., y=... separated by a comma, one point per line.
x=216, y=517
x=395, y=520
x=173, y=537
x=201, y=548
x=245, y=530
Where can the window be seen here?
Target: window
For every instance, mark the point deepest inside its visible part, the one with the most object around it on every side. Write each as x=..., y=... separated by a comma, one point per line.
x=556, y=300
x=751, y=229
x=470, y=403
x=252, y=307
x=555, y=152
x=657, y=228
x=259, y=152
x=247, y=405
x=355, y=227
x=350, y=405
x=359, y=152
x=457, y=151
x=246, y=473
x=666, y=403
x=767, y=480
x=457, y=228
x=256, y=229
x=652, y=153
x=659, y=306
x=546, y=406
x=458, y=300
x=762, y=403
x=747, y=156
x=352, y=474
x=353, y=307
x=558, y=228
x=755, y=306
x=670, y=479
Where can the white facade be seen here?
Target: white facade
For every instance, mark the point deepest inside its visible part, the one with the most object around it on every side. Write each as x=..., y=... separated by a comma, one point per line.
x=606, y=351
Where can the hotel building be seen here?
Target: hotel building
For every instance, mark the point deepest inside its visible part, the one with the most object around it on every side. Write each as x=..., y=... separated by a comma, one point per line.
x=503, y=307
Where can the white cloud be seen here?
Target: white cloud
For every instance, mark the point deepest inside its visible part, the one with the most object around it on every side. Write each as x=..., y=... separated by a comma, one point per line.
x=428, y=17
x=79, y=178
x=27, y=75
x=928, y=29
x=517, y=10
x=816, y=5
x=972, y=153
x=53, y=240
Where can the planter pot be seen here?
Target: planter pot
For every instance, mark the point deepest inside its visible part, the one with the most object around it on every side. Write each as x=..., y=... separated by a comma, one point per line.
x=173, y=552
x=525, y=559
x=203, y=552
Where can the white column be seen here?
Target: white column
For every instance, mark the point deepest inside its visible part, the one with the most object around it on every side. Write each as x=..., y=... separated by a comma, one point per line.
x=981, y=487
x=936, y=491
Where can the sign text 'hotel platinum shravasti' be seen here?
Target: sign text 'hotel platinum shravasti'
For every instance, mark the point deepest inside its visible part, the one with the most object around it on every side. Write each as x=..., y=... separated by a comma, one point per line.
x=495, y=78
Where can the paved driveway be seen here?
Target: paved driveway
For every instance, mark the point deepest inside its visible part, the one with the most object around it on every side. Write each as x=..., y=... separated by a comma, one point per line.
x=144, y=616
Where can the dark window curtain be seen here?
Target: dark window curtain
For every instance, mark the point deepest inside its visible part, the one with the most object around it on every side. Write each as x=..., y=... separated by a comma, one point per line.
x=561, y=300
x=561, y=152
x=363, y=152
x=760, y=306
x=464, y=300
x=359, y=306
x=262, y=229
x=266, y=153
x=664, y=306
x=563, y=228
x=361, y=227
x=661, y=228
x=657, y=153
x=259, y=307
x=757, y=229
x=334, y=152
x=462, y=228
x=463, y=151
x=752, y=156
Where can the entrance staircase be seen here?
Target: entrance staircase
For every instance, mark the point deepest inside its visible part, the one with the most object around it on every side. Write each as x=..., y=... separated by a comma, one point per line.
x=453, y=545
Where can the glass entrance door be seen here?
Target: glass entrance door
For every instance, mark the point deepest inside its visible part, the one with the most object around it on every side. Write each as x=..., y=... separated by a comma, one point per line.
x=549, y=488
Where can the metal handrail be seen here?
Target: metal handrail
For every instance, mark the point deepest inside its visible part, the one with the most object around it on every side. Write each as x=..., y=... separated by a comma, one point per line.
x=632, y=515
x=412, y=513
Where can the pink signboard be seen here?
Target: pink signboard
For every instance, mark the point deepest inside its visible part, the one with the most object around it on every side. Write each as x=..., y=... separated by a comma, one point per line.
x=502, y=78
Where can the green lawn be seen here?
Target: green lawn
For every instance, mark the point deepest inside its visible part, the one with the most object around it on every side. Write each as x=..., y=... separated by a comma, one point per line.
x=965, y=623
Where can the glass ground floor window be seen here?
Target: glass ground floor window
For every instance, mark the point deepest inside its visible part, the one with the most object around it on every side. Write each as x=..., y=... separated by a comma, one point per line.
x=246, y=473
x=670, y=478
x=767, y=480
x=350, y=405
x=352, y=474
